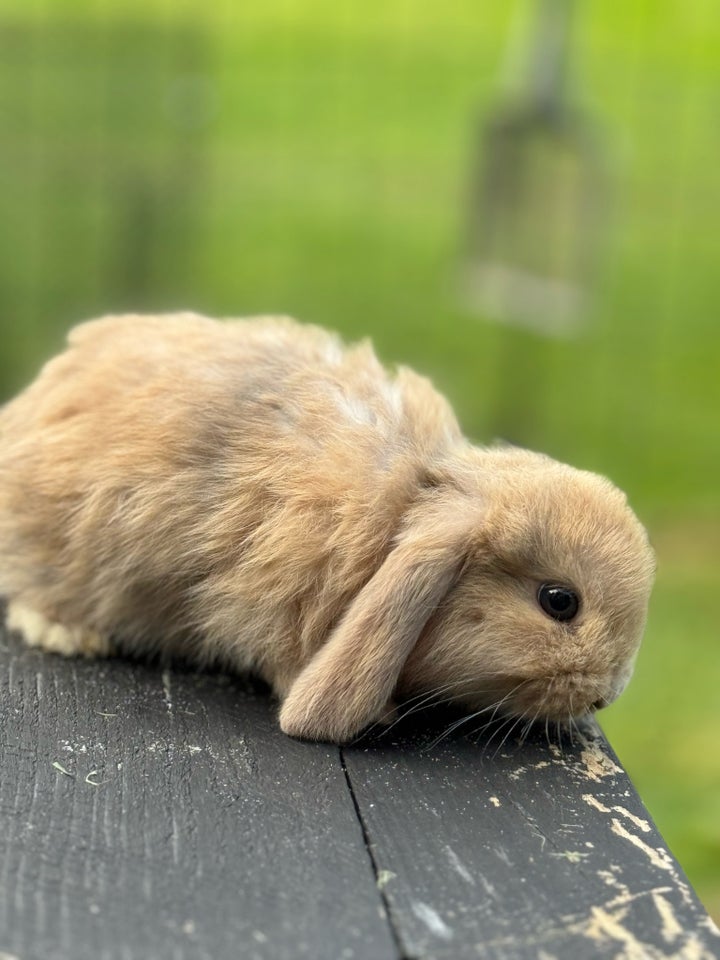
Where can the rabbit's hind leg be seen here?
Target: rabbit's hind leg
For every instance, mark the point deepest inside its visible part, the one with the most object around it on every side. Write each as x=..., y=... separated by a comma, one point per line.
x=38, y=631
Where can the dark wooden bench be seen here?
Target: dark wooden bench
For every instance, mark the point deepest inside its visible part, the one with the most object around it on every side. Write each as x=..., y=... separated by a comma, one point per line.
x=150, y=814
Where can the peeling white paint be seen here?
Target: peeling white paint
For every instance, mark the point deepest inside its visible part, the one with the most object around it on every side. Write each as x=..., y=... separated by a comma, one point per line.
x=623, y=811
x=432, y=920
x=658, y=857
x=608, y=922
x=638, y=821
x=609, y=878
x=694, y=949
x=604, y=925
x=624, y=898
x=572, y=856
x=670, y=929
x=516, y=774
x=710, y=925
x=597, y=764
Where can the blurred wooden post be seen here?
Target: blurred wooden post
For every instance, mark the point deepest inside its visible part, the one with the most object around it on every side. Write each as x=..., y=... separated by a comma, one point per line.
x=534, y=221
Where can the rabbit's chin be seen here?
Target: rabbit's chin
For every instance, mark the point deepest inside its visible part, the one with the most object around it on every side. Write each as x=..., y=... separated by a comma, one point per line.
x=563, y=697
x=560, y=698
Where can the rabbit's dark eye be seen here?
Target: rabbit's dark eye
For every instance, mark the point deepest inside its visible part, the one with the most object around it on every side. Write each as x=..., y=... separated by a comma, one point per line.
x=558, y=602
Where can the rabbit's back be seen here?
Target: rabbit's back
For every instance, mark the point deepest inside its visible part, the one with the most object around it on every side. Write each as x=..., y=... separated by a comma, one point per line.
x=175, y=478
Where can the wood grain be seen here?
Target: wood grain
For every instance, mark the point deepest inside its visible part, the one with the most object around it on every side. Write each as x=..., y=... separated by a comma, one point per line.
x=149, y=814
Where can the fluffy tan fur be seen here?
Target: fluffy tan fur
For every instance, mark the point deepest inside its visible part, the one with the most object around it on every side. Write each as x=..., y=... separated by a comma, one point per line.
x=254, y=493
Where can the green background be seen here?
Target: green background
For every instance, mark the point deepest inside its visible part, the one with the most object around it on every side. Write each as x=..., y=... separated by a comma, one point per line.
x=317, y=158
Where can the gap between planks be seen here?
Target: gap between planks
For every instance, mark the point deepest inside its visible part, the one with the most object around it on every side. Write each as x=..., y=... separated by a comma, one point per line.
x=373, y=862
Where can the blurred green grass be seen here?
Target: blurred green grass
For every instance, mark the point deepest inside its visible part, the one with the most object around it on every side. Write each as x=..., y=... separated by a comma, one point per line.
x=314, y=158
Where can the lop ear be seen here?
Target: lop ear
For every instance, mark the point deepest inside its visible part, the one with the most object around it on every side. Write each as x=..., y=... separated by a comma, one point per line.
x=350, y=680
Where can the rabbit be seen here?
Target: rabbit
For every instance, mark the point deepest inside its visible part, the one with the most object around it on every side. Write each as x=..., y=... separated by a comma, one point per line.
x=254, y=494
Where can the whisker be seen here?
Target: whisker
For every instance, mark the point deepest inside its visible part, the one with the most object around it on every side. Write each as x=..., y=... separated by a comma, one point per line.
x=457, y=723
x=424, y=698
x=528, y=726
x=495, y=709
x=441, y=689
x=570, y=722
x=472, y=716
x=577, y=728
x=508, y=734
x=507, y=721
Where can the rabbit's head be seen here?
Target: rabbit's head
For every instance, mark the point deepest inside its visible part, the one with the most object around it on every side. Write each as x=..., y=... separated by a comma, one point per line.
x=516, y=583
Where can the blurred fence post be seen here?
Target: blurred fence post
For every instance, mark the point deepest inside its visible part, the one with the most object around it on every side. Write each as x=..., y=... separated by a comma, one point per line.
x=534, y=219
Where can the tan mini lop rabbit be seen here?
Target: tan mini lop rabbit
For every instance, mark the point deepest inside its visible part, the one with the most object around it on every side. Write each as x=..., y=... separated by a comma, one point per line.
x=253, y=493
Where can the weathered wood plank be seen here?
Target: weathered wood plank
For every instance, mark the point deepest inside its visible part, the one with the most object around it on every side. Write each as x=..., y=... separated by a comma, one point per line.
x=150, y=814
x=526, y=851
x=162, y=814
